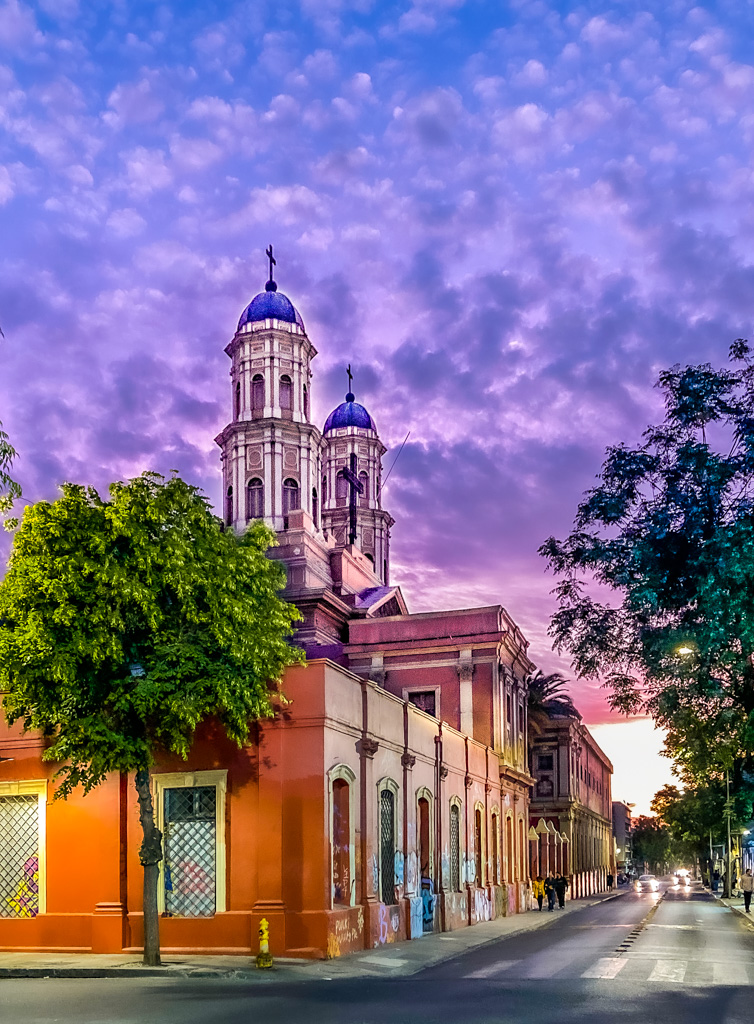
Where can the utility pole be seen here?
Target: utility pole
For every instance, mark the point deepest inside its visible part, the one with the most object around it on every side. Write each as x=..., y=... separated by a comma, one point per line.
x=729, y=866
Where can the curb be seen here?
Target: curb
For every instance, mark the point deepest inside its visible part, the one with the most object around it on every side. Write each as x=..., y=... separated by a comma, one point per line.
x=746, y=918
x=548, y=922
x=243, y=974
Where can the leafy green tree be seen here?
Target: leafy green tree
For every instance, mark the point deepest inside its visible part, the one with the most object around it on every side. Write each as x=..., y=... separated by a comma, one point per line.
x=668, y=533
x=125, y=623
x=650, y=840
x=9, y=488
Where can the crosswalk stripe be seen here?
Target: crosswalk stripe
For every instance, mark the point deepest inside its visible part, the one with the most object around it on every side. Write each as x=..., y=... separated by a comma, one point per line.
x=669, y=970
x=492, y=970
x=605, y=967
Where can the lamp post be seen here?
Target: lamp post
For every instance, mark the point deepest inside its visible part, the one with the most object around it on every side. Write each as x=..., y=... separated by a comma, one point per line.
x=729, y=866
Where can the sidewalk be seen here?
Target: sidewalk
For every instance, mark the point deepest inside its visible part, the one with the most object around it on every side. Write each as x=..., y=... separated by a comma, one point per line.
x=736, y=903
x=400, y=960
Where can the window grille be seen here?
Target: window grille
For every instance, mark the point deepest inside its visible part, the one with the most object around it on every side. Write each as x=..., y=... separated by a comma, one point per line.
x=190, y=851
x=455, y=848
x=387, y=846
x=19, y=856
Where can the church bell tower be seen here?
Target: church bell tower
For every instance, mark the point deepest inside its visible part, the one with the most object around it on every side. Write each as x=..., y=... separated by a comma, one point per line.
x=271, y=452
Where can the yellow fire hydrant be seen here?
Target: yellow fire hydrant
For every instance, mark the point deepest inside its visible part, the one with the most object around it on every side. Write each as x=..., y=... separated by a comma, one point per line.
x=264, y=960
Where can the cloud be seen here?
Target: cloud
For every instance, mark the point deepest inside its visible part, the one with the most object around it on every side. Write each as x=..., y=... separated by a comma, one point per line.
x=507, y=224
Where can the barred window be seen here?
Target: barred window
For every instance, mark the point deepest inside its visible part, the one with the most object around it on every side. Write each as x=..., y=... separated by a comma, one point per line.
x=190, y=822
x=455, y=848
x=387, y=846
x=20, y=850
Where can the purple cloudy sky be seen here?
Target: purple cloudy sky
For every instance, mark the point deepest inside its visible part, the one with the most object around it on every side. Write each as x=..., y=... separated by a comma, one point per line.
x=507, y=216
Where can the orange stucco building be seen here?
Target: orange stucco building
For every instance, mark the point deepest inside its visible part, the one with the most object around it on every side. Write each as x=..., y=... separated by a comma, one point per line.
x=388, y=798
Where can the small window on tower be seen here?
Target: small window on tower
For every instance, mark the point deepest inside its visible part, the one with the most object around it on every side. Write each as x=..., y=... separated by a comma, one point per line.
x=306, y=402
x=324, y=491
x=341, y=489
x=238, y=400
x=254, y=499
x=229, y=506
x=315, y=508
x=364, y=496
x=290, y=496
x=257, y=393
x=286, y=392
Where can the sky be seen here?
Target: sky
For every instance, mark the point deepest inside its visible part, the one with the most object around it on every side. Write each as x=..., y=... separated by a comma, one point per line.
x=508, y=217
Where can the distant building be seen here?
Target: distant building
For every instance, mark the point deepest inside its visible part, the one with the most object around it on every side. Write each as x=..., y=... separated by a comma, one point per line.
x=622, y=835
x=570, y=809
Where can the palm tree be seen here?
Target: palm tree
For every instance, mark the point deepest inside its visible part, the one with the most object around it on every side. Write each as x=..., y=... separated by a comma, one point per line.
x=548, y=698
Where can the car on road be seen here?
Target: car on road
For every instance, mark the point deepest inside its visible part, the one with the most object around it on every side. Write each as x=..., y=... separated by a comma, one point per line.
x=647, y=883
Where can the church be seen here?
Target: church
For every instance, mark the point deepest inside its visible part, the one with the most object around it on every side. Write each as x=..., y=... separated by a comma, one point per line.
x=389, y=798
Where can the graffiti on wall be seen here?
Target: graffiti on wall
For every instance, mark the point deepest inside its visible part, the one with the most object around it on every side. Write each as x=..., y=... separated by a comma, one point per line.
x=417, y=917
x=375, y=874
x=445, y=866
x=346, y=935
x=398, y=868
x=482, y=906
x=411, y=872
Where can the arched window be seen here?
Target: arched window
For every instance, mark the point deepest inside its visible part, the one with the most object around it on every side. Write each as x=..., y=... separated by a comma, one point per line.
x=364, y=496
x=237, y=404
x=257, y=393
x=521, y=850
x=387, y=846
x=478, y=848
x=341, y=842
x=306, y=402
x=342, y=808
x=425, y=858
x=254, y=499
x=315, y=507
x=229, y=506
x=341, y=489
x=455, y=848
x=286, y=392
x=290, y=496
x=495, y=828
x=324, y=491
x=510, y=853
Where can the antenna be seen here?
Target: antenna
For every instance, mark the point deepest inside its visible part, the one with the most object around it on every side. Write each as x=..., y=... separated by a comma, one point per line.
x=384, y=482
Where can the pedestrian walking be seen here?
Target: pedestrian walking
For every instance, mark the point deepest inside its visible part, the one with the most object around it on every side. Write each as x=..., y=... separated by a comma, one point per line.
x=609, y=883
x=561, y=884
x=746, y=884
x=550, y=892
x=538, y=889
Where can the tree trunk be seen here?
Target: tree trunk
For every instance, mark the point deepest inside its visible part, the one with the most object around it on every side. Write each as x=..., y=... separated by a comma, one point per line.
x=150, y=856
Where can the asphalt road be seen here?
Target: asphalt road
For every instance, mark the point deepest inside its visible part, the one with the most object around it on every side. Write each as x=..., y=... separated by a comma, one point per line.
x=676, y=958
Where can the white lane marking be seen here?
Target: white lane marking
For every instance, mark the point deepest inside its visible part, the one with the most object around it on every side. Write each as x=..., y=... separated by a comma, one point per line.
x=730, y=974
x=669, y=970
x=493, y=969
x=605, y=967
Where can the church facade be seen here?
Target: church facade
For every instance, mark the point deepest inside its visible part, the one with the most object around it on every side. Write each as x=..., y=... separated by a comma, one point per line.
x=389, y=798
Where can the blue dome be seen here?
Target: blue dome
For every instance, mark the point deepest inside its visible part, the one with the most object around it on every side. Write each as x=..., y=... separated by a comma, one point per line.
x=271, y=305
x=349, y=414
